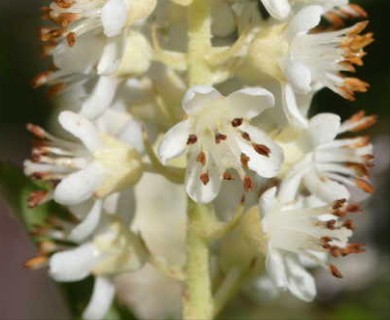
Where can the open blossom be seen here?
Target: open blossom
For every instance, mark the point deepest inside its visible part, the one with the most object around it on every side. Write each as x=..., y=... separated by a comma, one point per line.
x=325, y=163
x=113, y=250
x=305, y=61
x=218, y=136
x=94, y=164
x=296, y=230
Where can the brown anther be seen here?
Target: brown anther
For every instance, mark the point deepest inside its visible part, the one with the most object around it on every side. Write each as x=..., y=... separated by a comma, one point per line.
x=338, y=204
x=335, y=252
x=220, y=137
x=40, y=79
x=246, y=136
x=262, y=149
x=201, y=158
x=237, y=122
x=36, y=262
x=55, y=89
x=349, y=225
x=227, y=176
x=335, y=271
x=365, y=185
x=192, y=139
x=205, y=178
x=36, y=198
x=331, y=224
x=353, y=208
x=71, y=39
x=64, y=4
x=244, y=160
x=326, y=239
x=249, y=185
x=36, y=130
x=340, y=213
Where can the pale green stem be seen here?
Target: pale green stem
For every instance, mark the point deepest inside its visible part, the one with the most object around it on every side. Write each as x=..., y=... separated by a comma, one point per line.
x=197, y=300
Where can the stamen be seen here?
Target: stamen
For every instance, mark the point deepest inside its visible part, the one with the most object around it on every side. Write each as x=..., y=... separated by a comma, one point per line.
x=36, y=198
x=205, y=178
x=192, y=139
x=365, y=186
x=228, y=176
x=71, y=39
x=237, y=122
x=335, y=271
x=246, y=136
x=220, y=137
x=248, y=184
x=201, y=158
x=244, y=160
x=36, y=262
x=262, y=149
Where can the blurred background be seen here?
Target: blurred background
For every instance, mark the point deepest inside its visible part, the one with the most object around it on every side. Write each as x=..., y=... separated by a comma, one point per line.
x=363, y=294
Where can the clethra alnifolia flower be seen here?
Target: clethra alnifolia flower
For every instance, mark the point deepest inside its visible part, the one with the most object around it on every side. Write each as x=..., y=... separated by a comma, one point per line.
x=94, y=164
x=217, y=136
x=299, y=230
x=325, y=163
x=304, y=60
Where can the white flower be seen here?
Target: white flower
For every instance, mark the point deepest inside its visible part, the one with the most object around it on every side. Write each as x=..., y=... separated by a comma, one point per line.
x=113, y=250
x=281, y=9
x=78, y=17
x=325, y=164
x=297, y=230
x=305, y=61
x=97, y=163
x=217, y=136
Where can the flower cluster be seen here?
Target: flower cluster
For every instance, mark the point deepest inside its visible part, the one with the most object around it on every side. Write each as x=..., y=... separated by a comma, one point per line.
x=213, y=95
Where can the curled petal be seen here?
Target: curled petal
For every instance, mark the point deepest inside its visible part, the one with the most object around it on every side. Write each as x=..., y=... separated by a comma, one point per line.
x=278, y=9
x=114, y=15
x=80, y=185
x=249, y=102
x=299, y=76
x=81, y=128
x=175, y=141
x=101, y=300
x=73, y=265
x=306, y=19
x=323, y=128
x=199, y=97
x=276, y=268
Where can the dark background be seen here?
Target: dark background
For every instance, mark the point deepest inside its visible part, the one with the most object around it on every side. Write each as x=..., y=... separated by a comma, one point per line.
x=26, y=294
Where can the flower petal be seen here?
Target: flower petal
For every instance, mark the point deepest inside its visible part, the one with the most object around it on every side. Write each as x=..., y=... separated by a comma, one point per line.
x=306, y=19
x=300, y=282
x=291, y=108
x=81, y=128
x=73, y=265
x=79, y=186
x=323, y=128
x=101, y=98
x=299, y=76
x=114, y=15
x=278, y=9
x=324, y=188
x=88, y=225
x=276, y=268
x=101, y=300
x=266, y=166
x=174, y=142
x=249, y=102
x=199, y=97
x=268, y=200
x=196, y=189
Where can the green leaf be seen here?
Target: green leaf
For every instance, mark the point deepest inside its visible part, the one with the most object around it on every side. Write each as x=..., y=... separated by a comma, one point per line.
x=16, y=188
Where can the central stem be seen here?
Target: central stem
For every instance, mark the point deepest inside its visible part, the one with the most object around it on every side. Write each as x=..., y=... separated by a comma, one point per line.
x=199, y=42
x=198, y=299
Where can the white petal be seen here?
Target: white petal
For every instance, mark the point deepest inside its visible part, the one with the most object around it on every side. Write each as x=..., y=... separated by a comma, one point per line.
x=276, y=268
x=101, y=98
x=88, y=225
x=132, y=134
x=299, y=76
x=195, y=187
x=199, y=97
x=114, y=15
x=291, y=109
x=111, y=56
x=324, y=188
x=175, y=141
x=101, y=300
x=306, y=19
x=79, y=186
x=323, y=128
x=73, y=265
x=249, y=102
x=300, y=282
x=81, y=128
x=268, y=200
x=264, y=166
x=278, y=9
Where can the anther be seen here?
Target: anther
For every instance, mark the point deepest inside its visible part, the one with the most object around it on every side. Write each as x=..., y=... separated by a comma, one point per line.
x=220, y=137
x=237, y=122
x=205, y=178
x=262, y=149
x=335, y=271
x=244, y=160
x=201, y=158
x=192, y=139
